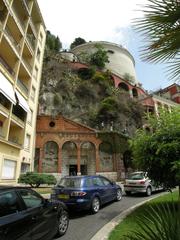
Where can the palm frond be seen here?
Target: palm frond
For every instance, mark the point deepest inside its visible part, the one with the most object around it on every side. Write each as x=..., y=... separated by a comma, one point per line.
x=160, y=28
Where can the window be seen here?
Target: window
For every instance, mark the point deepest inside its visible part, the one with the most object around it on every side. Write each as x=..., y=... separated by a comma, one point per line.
x=30, y=198
x=9, y=169
x=106, y=182
x=8, y=203
x=33, y=93
x=35, y=73
x=25, y=167
x=38, y=54
x=97, y=182
x=88, y=182
x=29, y=117
x=27, y=142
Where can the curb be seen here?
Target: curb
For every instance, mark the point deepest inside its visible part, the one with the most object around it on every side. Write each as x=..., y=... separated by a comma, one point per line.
x=104, y=232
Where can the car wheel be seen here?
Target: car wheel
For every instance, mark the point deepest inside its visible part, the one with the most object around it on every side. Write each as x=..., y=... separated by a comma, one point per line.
x=95, y=205
x=118, y=195
x=128, y=193
x=63, y=223
x=148, y=191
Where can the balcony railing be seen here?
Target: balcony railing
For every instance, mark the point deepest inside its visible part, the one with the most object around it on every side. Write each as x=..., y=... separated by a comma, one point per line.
x=31, y=41
x=28, y=65
x=20, y=21
x=5, y=64
x=22, y=86
x=4, y=110
x=18, y=121
x=13, y=41
x=15, y=140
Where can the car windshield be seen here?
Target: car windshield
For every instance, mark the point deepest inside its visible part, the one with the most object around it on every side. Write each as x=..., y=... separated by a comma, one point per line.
x=70, y=182
x=136, y=176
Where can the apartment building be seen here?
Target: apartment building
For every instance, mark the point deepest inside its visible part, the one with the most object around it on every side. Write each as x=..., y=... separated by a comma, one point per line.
x=22, y=41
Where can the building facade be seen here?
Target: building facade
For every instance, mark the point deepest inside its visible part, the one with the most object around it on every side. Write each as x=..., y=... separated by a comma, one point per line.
x=22, y=41
x=171, y=92
x=65, y=147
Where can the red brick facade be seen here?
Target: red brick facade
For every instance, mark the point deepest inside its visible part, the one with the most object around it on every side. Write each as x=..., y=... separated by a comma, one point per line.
x=62, y=130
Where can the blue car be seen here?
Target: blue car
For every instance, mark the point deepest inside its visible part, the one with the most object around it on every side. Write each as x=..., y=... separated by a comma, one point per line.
x=86, y=192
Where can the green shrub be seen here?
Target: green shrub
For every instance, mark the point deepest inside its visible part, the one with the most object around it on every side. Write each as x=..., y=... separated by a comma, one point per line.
x=36, y=179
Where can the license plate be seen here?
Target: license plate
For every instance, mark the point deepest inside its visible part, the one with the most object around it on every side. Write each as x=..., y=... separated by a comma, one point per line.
x=63, y=196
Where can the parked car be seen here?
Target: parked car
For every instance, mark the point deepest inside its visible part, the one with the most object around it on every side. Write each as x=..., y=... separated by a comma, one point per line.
x=86, y=192
x=140, y=182
x=26, y=215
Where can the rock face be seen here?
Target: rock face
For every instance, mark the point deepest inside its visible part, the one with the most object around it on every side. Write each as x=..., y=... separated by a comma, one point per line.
x=87, y=96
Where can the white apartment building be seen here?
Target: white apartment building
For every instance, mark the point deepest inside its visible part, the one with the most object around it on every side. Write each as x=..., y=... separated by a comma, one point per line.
x=22, y=41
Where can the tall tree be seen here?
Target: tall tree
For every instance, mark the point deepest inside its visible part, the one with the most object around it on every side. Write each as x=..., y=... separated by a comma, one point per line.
x=77, y=41
x=158, y=151
x=160, y=28
x=52, y=42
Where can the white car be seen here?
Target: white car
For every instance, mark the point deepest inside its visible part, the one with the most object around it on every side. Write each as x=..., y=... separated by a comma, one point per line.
x=139, y=182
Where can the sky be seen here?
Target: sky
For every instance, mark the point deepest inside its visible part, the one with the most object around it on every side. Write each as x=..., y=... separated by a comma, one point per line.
x=103, y=20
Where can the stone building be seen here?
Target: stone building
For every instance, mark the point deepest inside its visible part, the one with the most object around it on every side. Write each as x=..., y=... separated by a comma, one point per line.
x=64, y=147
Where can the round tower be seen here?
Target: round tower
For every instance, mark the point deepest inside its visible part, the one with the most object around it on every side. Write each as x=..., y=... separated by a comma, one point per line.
x=121, y=62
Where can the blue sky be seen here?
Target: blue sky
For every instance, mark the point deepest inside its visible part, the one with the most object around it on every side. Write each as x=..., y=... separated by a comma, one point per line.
x=102, y=20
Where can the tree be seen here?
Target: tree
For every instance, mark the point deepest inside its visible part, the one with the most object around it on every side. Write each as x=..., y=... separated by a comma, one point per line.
x=52, y=42
x=158, y=151
x=100, y=57
x=160, y=28
x=77, y=41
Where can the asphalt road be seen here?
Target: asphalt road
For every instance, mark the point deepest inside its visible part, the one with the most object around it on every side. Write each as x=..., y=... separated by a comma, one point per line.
x=83, y=225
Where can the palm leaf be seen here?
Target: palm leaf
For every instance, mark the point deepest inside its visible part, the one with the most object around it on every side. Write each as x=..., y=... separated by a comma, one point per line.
x=158, y=221
x=160, y=28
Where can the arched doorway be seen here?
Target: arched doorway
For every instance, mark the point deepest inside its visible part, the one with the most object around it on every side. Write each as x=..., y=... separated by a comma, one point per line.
x=50, y=160
x=106, y=157
x=127, y=160
x=135, y=92
x=123, y=86
x=88, y=158
x=69, y=158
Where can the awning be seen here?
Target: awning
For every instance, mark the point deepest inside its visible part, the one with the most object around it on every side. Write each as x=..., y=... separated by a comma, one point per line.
x=22, y=102
x=6, y=89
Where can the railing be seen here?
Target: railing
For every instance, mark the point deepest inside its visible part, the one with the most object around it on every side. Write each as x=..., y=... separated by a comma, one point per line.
x=29, y=67
x=25, y=5
x=4, y=109
x=20, y=22
x=13, y=41
x=14, y=141
x=5, y=64
x=22, y=86
x=31, y=41
x=18, y=120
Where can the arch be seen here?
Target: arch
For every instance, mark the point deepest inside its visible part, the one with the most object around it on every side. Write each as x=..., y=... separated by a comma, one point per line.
x=50, y=160
x=127, y=160
x=69, y=157
x=123, y=86
x=88, y=158
x=106, y=157
x=134, y=92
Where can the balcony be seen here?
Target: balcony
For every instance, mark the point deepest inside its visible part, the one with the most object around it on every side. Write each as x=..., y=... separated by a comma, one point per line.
x=25, y=5
x=5, y=64
x=15, y=44
x=18, y=121
x=19, y=115
x=16, y=134
x=22, y=86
